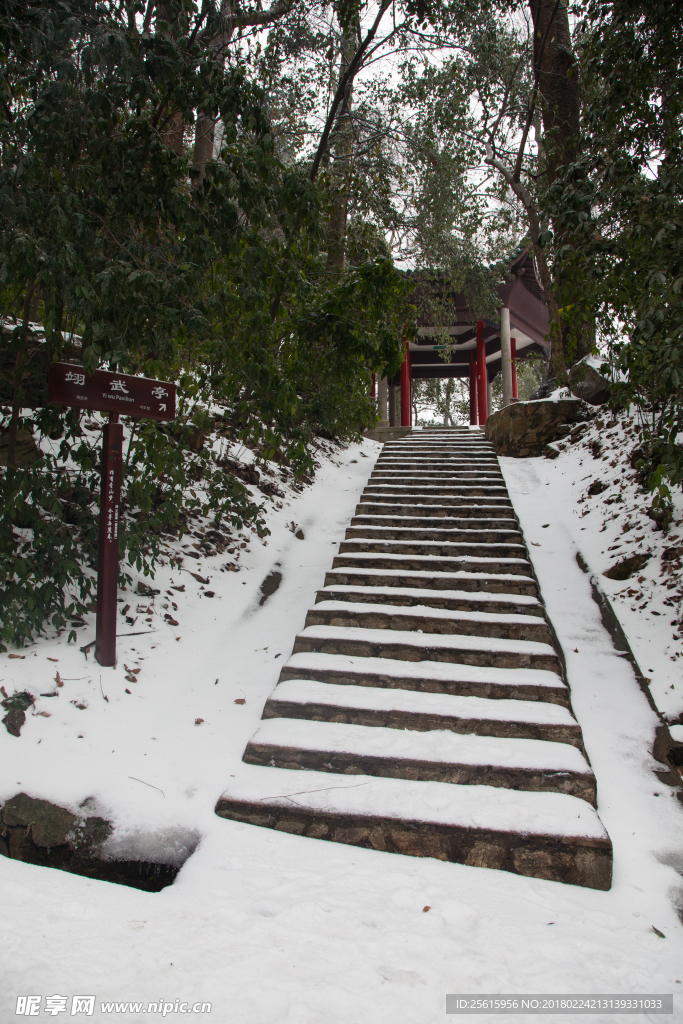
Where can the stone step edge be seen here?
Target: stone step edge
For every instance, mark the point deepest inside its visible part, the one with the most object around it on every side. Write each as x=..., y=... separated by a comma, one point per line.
x=573, y=860
x=421, y=721
x=387, y=673
x=338, y=762
x=474, y=599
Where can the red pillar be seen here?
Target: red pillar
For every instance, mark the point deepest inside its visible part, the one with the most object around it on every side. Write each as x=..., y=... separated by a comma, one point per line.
x=482, y=379
x=406, y=397
x=513, y=357
x=473, y=389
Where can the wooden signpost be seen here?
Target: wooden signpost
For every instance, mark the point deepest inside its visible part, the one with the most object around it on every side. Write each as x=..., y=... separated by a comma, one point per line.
x=115, y=393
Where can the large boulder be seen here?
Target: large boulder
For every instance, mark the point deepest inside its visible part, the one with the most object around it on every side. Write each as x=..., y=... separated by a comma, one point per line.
x=588, y=384
x=525, y=428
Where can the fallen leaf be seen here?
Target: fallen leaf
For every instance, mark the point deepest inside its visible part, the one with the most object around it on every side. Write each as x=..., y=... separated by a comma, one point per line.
x=13, y=721
x=199, y=579
x=58, y=680
x=130, y=679
x=657, y=932
x=44, y=714
x=535, y=544
x=198, y=721
x=576, y=650
x=425, y=909
x=240, y=700
x=171, y=621
x=53, y=659
x=127, y=690
x=20, y=656
x=3, y=691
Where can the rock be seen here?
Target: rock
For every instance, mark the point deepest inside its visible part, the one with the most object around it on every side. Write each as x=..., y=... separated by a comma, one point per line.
x=587, y=384
x=524, y=429
x=50, y=825
x=626, y=568
x=270, y=585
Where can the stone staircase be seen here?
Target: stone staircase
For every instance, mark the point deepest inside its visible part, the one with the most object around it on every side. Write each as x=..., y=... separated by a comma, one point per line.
x=424, y=709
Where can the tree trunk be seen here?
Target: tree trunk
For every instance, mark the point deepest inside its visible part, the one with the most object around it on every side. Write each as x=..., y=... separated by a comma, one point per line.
x=342, y=151
x=559, y=90
x=205, y=126
x=16, y=384
x=558, y=82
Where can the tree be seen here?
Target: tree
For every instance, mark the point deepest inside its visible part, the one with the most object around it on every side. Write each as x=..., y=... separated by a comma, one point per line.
x=627, y=254
x=105, y=237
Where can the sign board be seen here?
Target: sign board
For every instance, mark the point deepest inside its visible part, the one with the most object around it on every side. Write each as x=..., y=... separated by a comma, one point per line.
x=109, y=391
x=115, y=393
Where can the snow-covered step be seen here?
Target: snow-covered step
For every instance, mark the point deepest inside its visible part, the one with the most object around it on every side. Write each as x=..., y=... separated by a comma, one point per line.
x=454, y=600
x=433, y=563
x=441, y=621
x=433, y=579
x=462, y=475
x=413, y=709
x=542, y=835
x=473, y=505
x=434, y=510
x=409, y=646
x=409, y=546
x=454, y=487
x=537, y=766
x=429, y=677
x=374, y=531
x=460, y=523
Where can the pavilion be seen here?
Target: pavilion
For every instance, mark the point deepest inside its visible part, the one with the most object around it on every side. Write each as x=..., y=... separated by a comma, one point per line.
x=483, y=348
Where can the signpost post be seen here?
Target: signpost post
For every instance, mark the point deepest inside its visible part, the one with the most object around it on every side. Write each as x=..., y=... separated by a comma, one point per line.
x=115, y=393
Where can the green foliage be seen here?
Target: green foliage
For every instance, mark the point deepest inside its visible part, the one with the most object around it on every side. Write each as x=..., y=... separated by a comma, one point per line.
x=619, y=217
x=106, y=240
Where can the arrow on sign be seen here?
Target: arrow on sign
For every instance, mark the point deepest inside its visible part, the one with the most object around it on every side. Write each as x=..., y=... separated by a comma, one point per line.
x=162, y=408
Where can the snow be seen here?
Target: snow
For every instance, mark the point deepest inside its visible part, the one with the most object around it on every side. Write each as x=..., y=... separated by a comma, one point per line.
x=440, y=545
x=439, y=802
x=648, y=604
x=347, y=559
x=419, y=592
x=271, y=927
x=427, y=641
x=439, y=745
x=455, y=575
x=423, y=610
x=304, y=691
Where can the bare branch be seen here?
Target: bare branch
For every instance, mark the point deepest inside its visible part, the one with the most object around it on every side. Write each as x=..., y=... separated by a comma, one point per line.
x=277, y=10
x=148, y=15
x=344, y=80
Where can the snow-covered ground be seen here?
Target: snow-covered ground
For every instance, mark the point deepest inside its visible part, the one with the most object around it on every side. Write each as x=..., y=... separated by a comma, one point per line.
x=270, y=927
x=610, y=526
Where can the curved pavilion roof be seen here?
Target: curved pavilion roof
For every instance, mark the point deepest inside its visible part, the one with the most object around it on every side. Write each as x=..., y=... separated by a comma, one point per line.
x=529, y=322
